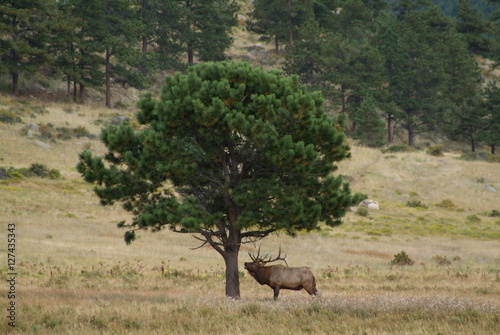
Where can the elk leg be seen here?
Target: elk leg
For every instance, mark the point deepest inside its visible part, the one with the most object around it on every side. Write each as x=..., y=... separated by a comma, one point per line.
x=276, y=293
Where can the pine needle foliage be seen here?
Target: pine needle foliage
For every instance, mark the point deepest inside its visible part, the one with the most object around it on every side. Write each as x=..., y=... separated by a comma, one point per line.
x=230, y=153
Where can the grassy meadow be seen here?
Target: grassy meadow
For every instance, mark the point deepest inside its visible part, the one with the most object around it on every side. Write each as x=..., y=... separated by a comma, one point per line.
x=75, y=275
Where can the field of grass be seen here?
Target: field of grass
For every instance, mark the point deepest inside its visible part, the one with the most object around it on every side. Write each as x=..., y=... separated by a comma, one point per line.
x=75, y=275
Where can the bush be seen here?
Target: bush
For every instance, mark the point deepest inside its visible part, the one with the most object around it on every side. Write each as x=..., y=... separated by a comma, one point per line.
x=362, y=211
x=415, y=204
x=397, y=148
x=8, y=116
x=63, y=133
x=493, y=158
x=54, y=174
x=474, y=156
x=473, y=218
x=494, y=213
x=435, y=150
x=402, y=259
x=38, y=170
x=441, y=260
x=447, y=203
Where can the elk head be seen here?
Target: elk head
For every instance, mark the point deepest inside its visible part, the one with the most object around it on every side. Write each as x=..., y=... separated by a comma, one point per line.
x=260, y=261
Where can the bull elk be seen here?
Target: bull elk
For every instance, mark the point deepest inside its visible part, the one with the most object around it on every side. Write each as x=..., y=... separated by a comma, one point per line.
x=279, y=276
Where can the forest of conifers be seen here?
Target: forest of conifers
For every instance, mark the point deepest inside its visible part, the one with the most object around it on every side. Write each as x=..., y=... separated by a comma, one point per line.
x=414, y=64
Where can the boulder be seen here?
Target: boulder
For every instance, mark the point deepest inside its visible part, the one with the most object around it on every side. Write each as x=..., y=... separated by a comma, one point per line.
x=34, y=127
x=490, y=188
x=370, y=204
x=42, y=144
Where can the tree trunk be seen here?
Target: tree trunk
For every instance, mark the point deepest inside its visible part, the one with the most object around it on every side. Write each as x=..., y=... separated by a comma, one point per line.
x=232, y=273
x=75, y=89
x=68, y=88
x=411, y=137
x=144, y=47
x=190, y=53
x=473, y=144
x=390, y=135
x=82, y=89
x=15, y=82
x=108, y=78
x=290, y=32
x=15, y=73
x=493, y=149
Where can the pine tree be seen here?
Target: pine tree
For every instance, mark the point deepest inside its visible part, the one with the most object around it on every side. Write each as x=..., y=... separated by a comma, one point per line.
x=417, y=50
x=107, y=36
x=282, y=20
x=474, y=28
x=491, y=104
x=229, y=153
x=269, y=20
x=24, y=28
x=340, y=59
x=203, y=27
x=370, y=129
x=461, y=114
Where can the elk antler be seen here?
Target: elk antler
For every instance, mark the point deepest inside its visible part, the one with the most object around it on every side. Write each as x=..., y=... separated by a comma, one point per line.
x=267, y=259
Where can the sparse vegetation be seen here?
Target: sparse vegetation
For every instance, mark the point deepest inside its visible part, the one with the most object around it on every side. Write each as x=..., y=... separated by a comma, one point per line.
x=50, y=132
x=447, y=203
x=435, y=150
x=35, y=170
x=441, y=260
x=494, y=213
x=362, y=211
x=402, y=258
x=397, y=148
x=416, y=204
x=85, y=283
x=8, y=116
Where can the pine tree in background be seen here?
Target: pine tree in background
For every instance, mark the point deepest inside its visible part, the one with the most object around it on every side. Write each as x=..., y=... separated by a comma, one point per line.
x=340, y=60
x=203, y=27
x=475, y=29
x=417, y=48
x=460, y=107
x=24, y=30
x=231, y=153
x=283, y=20
x=370, y=128
x=491, y=104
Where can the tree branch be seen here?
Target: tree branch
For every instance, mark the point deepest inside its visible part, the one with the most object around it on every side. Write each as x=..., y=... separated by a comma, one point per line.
x=253, y=236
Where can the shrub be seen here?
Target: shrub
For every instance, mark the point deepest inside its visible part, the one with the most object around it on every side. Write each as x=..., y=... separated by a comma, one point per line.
x=415, y=204
x=54, y=174
x=397, y=148
x=402, y=259
x=362, y=211
x=447, y=203
x=494, y=213
x=8, y=116
x=474, y=156
x=441, y=260
x=493, y=158
x=47, y=131
x=435, y=150
x=473, y=218
x=39, y=170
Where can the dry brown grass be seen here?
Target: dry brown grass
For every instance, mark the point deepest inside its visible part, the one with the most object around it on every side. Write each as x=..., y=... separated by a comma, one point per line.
x=76, y=275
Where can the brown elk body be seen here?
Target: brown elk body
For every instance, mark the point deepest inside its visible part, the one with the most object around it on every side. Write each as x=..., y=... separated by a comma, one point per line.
x=281, y=277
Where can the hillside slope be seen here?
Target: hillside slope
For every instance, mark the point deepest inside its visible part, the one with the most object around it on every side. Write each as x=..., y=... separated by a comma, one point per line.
x=392, y=179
